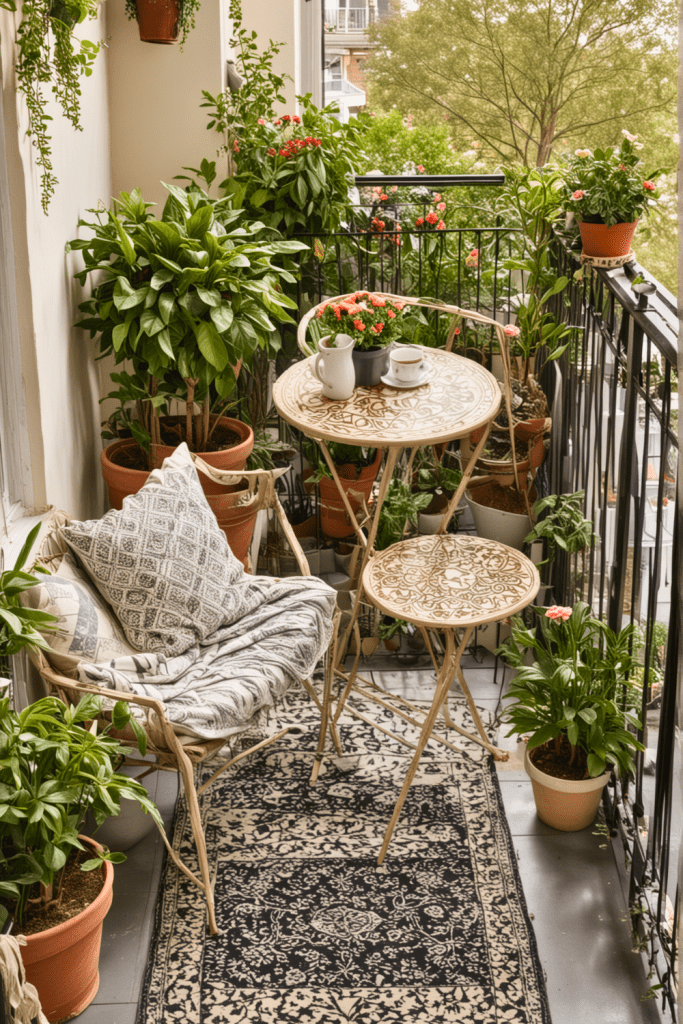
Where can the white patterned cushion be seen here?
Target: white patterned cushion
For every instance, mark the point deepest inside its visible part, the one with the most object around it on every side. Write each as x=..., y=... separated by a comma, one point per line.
x=88, y=629
x=161, y=562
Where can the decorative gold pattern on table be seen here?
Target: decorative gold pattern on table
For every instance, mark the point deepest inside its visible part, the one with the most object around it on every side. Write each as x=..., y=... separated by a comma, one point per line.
x=459, y=397
x=450, y=580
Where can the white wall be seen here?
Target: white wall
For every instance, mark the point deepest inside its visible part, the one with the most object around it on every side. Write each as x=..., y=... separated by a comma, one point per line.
x=59, y=377
x=155, y=92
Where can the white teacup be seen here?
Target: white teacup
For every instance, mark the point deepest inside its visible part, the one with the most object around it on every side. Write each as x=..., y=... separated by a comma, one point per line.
x=406, y=362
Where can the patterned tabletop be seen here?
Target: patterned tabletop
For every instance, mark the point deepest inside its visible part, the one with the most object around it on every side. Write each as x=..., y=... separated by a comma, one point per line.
x=459, y=396
x=450, y=580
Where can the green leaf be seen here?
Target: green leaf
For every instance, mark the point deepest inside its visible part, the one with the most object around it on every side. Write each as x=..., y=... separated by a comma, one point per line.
x=119, y=335
x=150, y=323
x=210, y=296
x=596, y=765
x=166, y=305
x=161, y=278
x=260, y=197
x=200, y=222
x=222, y=316
x=126, y=242
x=212, y=346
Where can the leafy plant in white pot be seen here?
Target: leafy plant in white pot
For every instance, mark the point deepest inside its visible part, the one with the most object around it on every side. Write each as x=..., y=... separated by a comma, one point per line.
x=576, y=703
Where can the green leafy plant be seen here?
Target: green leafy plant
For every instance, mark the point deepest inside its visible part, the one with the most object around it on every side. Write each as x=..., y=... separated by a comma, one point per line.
x=22, y=627
x=186, y=19
x=579, y=688
x=293, y=171
x=563, y=527
x=535, y=198
x=400, y=506
x=610, y=186
x=55, y=765
x=49, y=54
x=184, y=300
x=430, y=474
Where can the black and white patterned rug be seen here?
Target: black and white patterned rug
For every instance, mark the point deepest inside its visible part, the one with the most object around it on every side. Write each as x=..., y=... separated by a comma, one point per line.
x=312, y=930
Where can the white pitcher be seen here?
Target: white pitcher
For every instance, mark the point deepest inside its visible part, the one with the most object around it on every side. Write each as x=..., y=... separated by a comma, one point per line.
x=334, y=367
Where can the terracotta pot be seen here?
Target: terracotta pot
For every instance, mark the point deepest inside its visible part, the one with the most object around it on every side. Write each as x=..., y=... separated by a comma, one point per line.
x=121, y=481
x=565, y=804
x=503, y=469
x=158, y=20
x=62, y=962
x=236, y=523
x=599, y=240
x=334, y=519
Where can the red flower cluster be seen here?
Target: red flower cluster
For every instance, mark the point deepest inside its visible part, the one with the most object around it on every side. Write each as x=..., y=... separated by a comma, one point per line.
x=419, y=222
x=369, y=315
x=649, y=185
x=557, y=612
x=295, y=146
x=431, y=217
x=377, y=224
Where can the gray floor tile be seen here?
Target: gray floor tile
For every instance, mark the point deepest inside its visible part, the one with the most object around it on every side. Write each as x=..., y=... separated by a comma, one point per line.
x=111, y=1013
x=125, y=944
x=580, y=919
x=520, y=809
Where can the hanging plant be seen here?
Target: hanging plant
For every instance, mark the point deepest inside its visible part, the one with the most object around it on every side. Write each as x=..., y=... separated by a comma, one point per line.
x=49, y=53
x=163, y=21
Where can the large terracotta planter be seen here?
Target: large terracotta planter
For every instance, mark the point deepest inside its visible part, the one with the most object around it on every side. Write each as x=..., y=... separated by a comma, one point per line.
x=599, y=240
x=565, y=804
x=334, y=519
x=62, y=962
x=236, y=523
x=158, y=20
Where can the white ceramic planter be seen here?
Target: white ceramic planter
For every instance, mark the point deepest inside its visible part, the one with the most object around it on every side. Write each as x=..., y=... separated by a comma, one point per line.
x=494, y=524
x=565, y=804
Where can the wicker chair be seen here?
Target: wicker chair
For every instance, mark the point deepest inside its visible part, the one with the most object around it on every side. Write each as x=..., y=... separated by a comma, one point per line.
x=171, y=752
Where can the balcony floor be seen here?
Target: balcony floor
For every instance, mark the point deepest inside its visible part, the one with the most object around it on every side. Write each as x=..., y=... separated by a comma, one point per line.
x=572, y=886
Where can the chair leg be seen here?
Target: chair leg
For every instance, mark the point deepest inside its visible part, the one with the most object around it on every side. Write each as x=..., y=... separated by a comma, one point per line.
x=325, y=716
x=185, y=767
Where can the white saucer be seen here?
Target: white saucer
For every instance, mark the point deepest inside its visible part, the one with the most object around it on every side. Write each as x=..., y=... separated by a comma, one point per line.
x=423, y=377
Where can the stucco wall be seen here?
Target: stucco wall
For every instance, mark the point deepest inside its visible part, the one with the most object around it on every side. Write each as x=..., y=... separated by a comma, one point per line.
x=157, y=126
x=59, y=376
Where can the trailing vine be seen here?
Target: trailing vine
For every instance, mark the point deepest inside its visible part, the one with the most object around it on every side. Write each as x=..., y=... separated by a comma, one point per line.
x=50, y=54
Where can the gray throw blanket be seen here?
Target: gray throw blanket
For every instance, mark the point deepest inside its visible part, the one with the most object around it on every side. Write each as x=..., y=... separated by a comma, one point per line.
x=277, y=633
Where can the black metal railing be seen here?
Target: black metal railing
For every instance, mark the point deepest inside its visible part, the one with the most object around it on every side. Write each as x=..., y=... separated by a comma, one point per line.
x=618, y=443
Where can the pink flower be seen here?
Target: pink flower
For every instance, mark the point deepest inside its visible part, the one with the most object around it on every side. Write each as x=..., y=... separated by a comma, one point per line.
x=384, y=196
x=378, y=328
x=377, y=302
x=286, y=117
x=627, y=134
x=440, y=226
x=419, y=222
x=649, y=185
x=235, y=147
x=582, y=153
x=359, y=325
x=296, y=119
x=391, y=314
x=394, y=188
x=420, y=169
x=261, y=120
x=431, y=217
x=437, y=197
x=511, y=331
x=557, y=612
x=441, y=206
x=472, y=259
x=578, y=194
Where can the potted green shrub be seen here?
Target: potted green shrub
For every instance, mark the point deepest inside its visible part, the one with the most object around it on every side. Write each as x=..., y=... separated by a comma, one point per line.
x=576, y=703
x=163, y=21
x=440, y=482
x=56, y=765
x=183, y=302
x=559, y=521
x=608, y=191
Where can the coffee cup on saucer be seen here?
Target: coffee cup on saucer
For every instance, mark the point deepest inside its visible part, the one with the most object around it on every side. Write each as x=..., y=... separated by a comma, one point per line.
x=406, y=363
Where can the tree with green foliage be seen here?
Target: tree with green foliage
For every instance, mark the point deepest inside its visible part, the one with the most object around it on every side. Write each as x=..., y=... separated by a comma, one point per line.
x=521, y=75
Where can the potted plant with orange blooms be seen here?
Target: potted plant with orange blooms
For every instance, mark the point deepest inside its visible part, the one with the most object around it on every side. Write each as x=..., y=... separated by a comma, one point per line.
x=576, y=704
x=609, y=191
x=373, y=322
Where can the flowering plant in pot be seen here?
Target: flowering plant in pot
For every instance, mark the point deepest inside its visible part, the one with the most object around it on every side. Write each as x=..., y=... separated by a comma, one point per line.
x=372, y=322
x=608, y=190
x=56, y=765
x=576, y=702
x=183, y=301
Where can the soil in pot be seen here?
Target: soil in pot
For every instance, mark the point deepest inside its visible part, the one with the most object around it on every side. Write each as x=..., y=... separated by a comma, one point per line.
x=173, y=433
x=79, y=890
x=507, y=499
x=554, y=760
